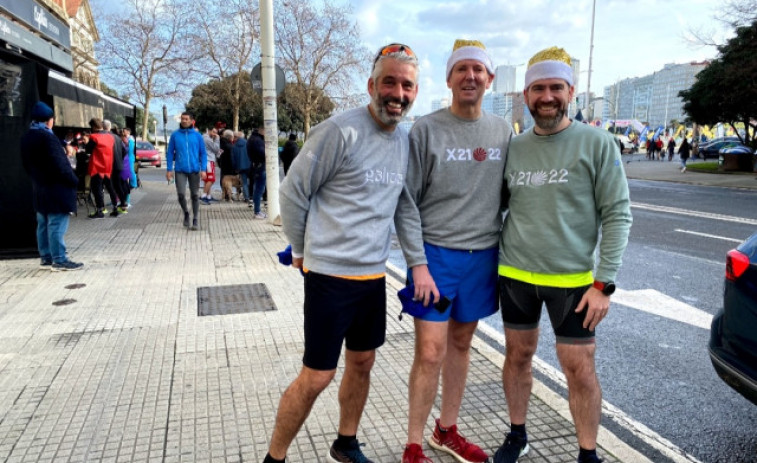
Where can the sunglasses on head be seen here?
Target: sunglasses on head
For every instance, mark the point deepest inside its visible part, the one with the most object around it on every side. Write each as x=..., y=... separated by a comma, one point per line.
x=394, y=48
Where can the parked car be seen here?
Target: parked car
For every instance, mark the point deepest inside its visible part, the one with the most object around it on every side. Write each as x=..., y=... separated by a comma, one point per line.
x=711, y=148
x=733, y=336
x=147, y=154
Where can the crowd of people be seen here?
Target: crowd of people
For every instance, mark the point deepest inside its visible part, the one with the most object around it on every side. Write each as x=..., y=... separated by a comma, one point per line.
x=445, y=186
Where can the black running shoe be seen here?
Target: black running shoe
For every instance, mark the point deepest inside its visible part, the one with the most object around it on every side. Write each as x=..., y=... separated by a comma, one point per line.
x=347, y=455
x=67, y=266
x=514, y=447
x=186, y=220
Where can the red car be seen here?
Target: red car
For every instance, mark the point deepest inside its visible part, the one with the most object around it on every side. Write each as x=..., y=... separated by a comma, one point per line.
x=147, y=154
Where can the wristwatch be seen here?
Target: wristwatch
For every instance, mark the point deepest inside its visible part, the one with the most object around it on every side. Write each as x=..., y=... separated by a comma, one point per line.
x=607, y=287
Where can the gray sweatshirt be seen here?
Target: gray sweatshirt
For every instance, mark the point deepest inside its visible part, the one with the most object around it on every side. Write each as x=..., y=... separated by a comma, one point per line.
x=452, y=194
x=339, y=197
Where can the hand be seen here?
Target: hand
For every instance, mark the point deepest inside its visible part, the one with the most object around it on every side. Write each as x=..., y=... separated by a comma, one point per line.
x=169, y=175
x=598, y=305
x=425, y=287
x=297, y=262
x=203, y=175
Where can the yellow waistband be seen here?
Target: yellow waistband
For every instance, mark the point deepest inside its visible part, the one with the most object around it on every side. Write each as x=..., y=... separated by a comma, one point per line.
x=564, y=280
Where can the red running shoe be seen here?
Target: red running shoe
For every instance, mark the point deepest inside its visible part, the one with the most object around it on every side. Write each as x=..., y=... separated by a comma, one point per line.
x=456, y=445
x=414, y=454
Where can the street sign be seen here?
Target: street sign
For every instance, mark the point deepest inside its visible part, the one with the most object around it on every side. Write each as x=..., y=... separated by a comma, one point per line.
x=256, y=76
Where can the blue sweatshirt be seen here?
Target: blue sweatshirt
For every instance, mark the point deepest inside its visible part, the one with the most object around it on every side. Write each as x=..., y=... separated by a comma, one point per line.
x=187, y=149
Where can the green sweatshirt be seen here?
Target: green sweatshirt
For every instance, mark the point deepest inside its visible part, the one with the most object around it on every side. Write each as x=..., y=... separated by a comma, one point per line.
x=563, y=187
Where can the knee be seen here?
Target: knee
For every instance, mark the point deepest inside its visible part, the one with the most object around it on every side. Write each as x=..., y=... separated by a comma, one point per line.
x=461, y=336
x=519, y=355
x=430, y=354
x=313, y=382
x=361, y=363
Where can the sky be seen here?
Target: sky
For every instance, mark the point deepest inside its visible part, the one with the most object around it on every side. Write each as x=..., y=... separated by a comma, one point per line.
x=632, y=38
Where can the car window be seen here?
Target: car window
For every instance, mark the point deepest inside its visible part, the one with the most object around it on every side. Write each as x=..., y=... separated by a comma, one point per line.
x=143, y=145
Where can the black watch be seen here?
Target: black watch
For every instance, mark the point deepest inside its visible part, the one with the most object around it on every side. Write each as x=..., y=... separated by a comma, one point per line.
x=607, y=287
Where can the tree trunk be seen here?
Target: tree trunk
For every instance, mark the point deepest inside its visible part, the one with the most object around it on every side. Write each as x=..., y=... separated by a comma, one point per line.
x=146, y=120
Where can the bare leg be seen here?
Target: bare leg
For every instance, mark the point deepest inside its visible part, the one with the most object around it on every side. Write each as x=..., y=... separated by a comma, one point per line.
x=517, y=377
x=294, y=407
x=455, y=369
x=430, y=349
x=353, y=391
x=584, y=392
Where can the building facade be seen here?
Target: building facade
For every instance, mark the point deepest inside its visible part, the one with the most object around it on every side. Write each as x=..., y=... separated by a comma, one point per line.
x=652, y=98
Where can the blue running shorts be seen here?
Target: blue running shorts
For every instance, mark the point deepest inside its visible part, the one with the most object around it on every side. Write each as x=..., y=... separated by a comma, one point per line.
x=467, y=278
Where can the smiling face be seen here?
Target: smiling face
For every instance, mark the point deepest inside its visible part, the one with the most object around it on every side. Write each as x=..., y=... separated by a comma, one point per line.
x=468, y=81
x=393, y=89
x=548, y=100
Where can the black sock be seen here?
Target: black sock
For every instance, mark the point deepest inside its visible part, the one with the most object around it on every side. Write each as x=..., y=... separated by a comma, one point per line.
x=270, y=459
x=345, y=442
x=518, y=429
x=587, y=455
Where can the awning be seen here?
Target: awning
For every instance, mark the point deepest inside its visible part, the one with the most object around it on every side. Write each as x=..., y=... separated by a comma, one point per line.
x=76, y=103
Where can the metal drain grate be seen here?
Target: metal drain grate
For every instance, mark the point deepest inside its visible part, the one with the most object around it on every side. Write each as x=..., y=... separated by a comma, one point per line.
x=233, y=299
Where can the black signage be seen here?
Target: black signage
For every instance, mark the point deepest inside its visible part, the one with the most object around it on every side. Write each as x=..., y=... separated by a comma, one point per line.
x=40, y=19
x=26, y=41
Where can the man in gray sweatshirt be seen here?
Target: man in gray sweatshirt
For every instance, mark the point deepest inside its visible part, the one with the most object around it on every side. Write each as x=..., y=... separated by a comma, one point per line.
x=448, y=224
x=337, y=205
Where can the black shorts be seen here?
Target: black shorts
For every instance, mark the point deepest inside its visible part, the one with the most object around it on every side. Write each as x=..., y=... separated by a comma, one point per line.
x=340, y=310
x=521, y=309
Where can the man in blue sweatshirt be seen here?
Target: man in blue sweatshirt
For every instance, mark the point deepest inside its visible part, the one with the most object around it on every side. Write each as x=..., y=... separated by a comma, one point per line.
x=186, y=149
x=337, y=205
x=565, y=181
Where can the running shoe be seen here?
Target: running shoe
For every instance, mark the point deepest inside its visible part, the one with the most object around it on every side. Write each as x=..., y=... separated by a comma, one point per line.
x=414, y=454
x=352, y=454
x=67, y=266
x=456, y=445
x=514, y=447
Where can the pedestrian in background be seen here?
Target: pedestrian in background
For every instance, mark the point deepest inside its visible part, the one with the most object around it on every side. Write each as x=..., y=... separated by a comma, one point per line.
x=241, y=163
x=289, y=151
x=671, y=148
x=186, y=149
x=684, y=152
x=226, y=164
x=213, y=149
x=256, y=152
x=53, y=188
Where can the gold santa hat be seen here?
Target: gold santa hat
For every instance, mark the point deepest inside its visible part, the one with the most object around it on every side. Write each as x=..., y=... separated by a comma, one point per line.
x=550, y=63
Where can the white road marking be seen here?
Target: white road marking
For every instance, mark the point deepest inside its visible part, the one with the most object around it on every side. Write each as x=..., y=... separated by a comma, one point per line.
x=706, y=215
x=657, y=303
x=606, y=438
x=707, y=235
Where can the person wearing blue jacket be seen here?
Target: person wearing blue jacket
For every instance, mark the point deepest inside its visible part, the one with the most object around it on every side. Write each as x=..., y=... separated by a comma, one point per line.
x=186, y=156
x=242, y=163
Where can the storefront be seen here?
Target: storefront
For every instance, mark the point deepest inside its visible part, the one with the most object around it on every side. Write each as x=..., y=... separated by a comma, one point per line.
x=34, y=66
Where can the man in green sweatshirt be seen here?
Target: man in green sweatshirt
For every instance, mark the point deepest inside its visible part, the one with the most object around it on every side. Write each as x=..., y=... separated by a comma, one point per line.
x=337, y=205
x=566, y=181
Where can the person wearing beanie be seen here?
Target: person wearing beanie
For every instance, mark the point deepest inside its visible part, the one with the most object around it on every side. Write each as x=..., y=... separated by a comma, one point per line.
x=565, y=181
x=337, y=204
x=53, y=188
x=448, y=222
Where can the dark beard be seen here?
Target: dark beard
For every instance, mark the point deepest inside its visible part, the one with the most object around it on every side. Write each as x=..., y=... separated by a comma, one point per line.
x=547, y=123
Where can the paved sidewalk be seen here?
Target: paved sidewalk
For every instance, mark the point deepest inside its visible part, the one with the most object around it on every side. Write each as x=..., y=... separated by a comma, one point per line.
x=113, y=363
x=638, y=167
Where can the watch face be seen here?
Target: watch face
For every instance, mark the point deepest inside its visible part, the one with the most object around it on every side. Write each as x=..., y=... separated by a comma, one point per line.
x=609, y=288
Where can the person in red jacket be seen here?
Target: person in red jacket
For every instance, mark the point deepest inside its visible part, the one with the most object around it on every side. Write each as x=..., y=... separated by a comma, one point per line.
x=100, y=147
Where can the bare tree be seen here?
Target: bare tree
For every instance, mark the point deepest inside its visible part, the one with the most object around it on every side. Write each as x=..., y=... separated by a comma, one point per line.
x=732, y=14
x=143, y=51
x=319, y=50
x=226, y=37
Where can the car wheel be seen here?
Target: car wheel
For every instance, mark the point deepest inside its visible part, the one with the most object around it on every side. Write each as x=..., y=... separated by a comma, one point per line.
x=158, y=165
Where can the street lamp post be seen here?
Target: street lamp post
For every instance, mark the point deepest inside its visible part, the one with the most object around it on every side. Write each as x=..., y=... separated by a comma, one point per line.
x=589, y=114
